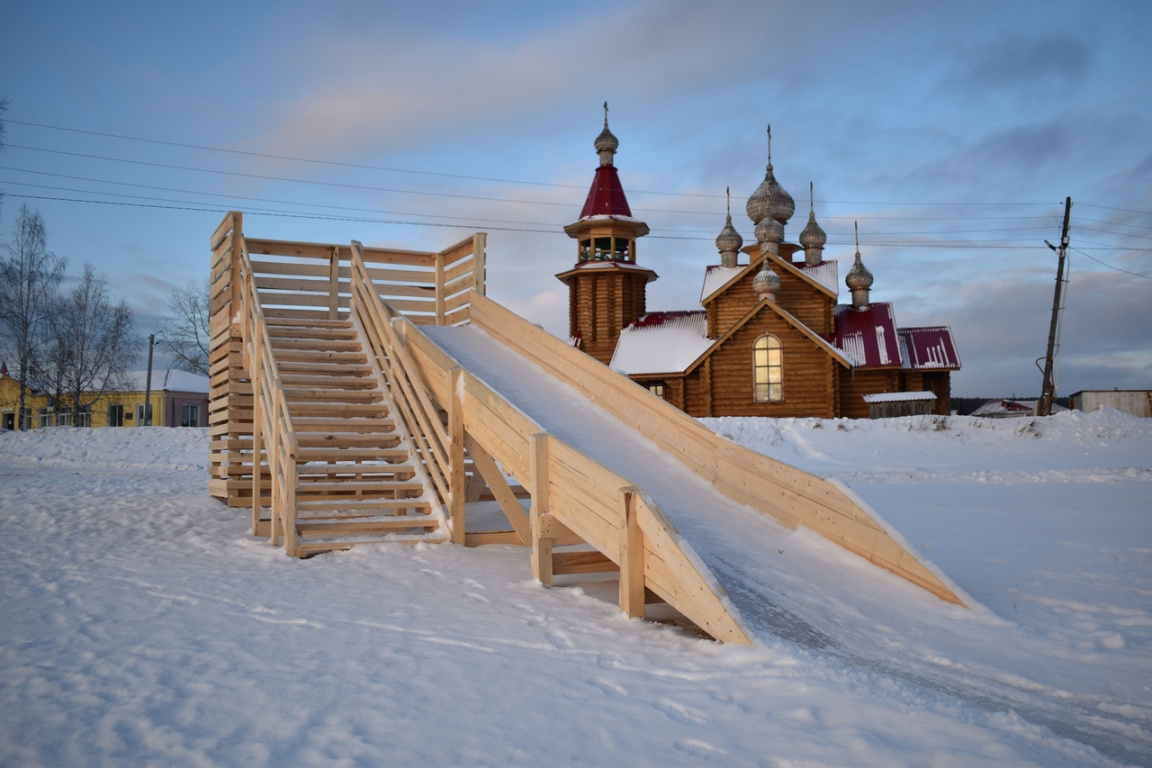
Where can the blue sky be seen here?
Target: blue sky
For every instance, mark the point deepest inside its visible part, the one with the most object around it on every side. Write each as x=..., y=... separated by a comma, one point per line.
x=951, y=132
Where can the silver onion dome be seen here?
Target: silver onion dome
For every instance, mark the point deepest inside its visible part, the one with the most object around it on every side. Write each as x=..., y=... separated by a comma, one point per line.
x=812, y=236
x=858, y=278
x=766, y=283
x=606, y=143
x=728, y=242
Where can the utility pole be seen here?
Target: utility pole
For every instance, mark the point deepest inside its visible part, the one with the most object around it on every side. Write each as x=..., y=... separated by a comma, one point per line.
x=148, y=383
x=1048, y=394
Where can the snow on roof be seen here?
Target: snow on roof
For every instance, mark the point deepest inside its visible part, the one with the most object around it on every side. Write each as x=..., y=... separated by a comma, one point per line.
x=824, y=273
x=661, y=342
x=171, y=380
x=929, y=349
x=868, y=335
x=897, y=397
x=716, y=277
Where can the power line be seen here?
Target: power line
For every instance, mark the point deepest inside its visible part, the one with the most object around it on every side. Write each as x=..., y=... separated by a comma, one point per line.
x=1118, y=269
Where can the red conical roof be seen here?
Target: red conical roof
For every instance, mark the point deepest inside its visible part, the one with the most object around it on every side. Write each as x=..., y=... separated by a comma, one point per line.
x=606, y=197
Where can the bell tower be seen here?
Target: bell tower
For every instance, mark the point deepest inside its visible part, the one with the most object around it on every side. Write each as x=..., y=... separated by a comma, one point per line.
x=606, y=288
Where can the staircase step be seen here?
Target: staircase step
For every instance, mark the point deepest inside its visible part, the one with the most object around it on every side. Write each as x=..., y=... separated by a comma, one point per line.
x=382, y=456
x=281, y=345
x=362, y=424
x=328, y=382
x=307, y=509
x=296, y=332
x=365, y=472
x=316, y=356
x=338, y=441
x=299, y=322
x=371, y=525
x=306, y=410
x=317, y=489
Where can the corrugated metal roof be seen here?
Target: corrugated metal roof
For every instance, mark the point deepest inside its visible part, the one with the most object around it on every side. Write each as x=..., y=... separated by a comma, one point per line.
x=606, y=197
x=929, y=349
x=661, y=342
x=868, y=335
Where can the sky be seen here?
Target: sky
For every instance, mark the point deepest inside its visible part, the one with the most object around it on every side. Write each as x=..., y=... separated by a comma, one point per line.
x=951, y=133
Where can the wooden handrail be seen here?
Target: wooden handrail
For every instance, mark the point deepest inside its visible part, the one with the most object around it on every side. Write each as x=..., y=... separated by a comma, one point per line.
x=270, y=415
x=415, y=412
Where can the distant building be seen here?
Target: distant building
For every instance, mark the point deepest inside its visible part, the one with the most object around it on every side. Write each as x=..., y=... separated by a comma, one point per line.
x=1007, y=409
x=769, y=339
x=1137, y=402
x=178, y=399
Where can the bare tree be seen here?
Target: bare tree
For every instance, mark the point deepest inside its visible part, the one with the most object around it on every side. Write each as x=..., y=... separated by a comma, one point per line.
x=184, y=333
x=28, y=279
x=93, y=344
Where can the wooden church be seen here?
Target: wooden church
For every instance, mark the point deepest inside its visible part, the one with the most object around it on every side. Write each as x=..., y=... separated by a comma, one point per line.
x=770, y=338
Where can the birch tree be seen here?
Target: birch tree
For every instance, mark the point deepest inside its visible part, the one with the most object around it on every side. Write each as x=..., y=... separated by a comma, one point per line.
x=93, y=344
x=29, y=275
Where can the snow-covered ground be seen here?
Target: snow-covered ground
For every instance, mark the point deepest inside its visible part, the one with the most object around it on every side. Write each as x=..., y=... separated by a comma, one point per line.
x=141, y=624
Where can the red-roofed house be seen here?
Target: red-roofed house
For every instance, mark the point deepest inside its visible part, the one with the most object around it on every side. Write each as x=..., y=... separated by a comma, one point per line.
x=770, y=338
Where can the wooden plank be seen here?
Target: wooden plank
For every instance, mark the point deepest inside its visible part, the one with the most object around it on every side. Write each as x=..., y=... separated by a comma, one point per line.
x=541, y=504
x=581, y=562
x=507, y=500
x=632, y=559
x=492, y=537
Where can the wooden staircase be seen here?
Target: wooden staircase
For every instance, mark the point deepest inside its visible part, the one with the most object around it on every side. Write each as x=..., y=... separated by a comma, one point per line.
x=358, y=480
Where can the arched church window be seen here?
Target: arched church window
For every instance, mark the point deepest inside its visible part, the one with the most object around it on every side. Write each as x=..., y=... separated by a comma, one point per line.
x=768, y=369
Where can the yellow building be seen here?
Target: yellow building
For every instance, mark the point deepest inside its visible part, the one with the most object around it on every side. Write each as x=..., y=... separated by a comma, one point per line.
x=178, y=399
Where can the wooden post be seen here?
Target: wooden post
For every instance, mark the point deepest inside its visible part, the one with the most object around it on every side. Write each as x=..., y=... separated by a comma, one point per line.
x=334, y=283
x=456, y=478
x=541, y=505
x=440, y=289
x=237, y=249
x=479, y=266
x=631, y=558
x=257, y=465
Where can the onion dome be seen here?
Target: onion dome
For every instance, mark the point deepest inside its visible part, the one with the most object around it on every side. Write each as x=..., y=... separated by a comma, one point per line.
x=769, y=235
x=812, y=238
x=728, y=242
x=770, y=199
x=606, y=143
x=766, y=283
x=859, y=279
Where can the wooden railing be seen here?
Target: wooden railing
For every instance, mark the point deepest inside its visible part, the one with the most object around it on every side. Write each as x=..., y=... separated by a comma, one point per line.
x=417, y=417
x=310, y=281
x=784, y=493
x=270, y=417
x=313, y=280
x=577, y=501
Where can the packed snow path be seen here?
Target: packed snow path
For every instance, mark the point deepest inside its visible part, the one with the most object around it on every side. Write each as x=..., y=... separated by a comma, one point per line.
x=803, y=589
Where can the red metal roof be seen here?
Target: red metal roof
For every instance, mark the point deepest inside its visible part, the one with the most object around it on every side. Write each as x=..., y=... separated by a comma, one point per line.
x=606, y=197
x=929, y=349
x=868, y=336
